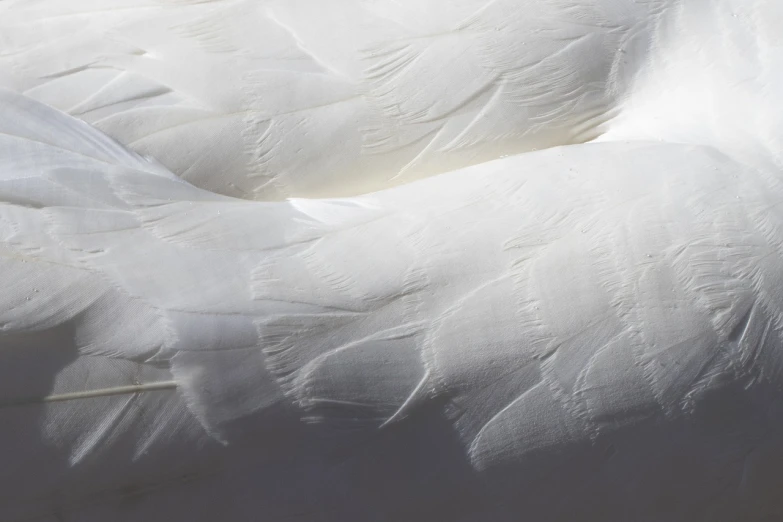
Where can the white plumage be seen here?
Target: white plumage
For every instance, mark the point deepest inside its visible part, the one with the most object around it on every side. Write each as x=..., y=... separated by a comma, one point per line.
x=590, y=332
x=309, y=98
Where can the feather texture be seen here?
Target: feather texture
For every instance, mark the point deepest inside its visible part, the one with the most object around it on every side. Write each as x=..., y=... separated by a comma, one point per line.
x=279, y=102
x=588, y=332
x=557, y=337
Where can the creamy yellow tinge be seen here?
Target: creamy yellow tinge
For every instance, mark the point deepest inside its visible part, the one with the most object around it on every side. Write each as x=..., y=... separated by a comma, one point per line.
x=272, y=99
x=589, y=331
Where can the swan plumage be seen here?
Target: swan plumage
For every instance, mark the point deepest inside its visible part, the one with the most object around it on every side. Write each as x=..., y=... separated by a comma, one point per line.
x=587, y=332
x=301, y=98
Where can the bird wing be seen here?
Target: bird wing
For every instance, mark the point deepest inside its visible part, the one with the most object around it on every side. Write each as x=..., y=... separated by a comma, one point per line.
x=560, y=321
x=298, y=98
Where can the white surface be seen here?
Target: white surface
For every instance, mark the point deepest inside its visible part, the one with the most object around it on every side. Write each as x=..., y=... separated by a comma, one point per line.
x=586, y=333
x=264, y=99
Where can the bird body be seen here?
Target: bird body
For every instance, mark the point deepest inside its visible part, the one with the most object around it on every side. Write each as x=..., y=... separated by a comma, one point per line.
x=307, y=99
x=587, y=332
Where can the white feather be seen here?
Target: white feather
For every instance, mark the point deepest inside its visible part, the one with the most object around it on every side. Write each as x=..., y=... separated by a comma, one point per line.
x=588, y=332
x=272, y=99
